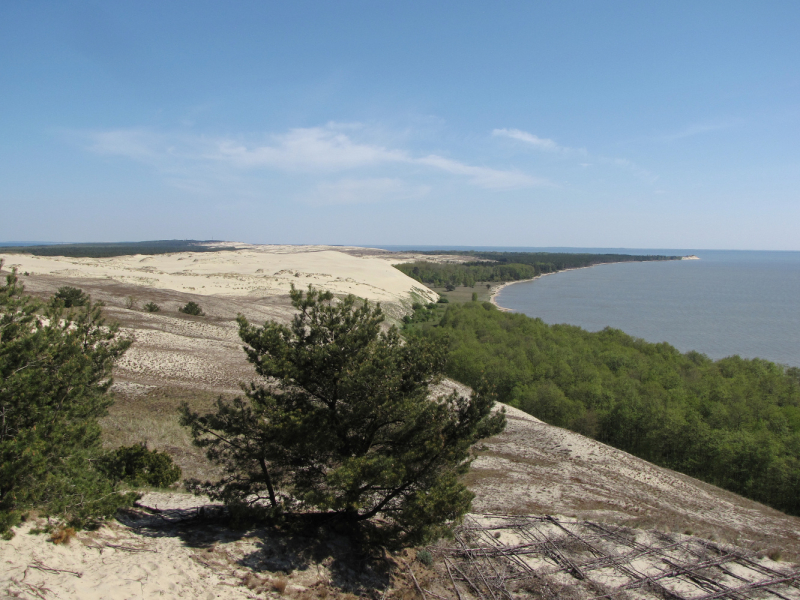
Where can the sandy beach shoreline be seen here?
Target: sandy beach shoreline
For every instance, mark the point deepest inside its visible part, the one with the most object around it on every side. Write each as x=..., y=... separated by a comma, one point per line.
x=495, y=291
x=498, y=288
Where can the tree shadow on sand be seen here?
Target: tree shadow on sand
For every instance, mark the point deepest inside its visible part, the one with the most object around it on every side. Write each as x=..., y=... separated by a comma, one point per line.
x=311, y=550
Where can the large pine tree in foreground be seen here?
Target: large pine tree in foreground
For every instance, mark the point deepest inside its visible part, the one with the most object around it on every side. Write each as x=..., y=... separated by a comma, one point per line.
x=55, y=373
x=344, y=423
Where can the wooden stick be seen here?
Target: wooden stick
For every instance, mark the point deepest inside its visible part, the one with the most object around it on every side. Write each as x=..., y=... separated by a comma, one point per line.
x=416, y=583
x=455, y=587
x=41, y=567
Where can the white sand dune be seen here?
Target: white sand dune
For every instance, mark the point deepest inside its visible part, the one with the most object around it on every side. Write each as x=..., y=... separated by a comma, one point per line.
x=249, y=271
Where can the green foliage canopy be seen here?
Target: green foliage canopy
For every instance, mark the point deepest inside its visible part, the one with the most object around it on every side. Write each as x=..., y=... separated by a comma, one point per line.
x=55, y=373
x=732, y=422
x=349, y=426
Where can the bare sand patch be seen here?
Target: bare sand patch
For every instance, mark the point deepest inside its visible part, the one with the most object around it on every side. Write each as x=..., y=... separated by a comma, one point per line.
x=250, y=271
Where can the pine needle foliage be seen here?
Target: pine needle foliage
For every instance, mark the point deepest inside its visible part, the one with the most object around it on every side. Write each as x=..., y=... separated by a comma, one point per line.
x=192, y=308
x=71, y=296
x=136, y=465
x=55, y=373
x=345, y=423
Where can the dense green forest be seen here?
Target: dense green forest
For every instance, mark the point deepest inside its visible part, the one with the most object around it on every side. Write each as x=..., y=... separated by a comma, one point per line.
x=508, y=266
x=107, y=250
x=467, y=274
x=733, y=422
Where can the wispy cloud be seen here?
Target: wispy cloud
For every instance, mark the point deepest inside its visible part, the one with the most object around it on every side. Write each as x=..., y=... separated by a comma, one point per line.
x=364, y=191
x=482, y=176
x=318, y=150
x=548, y=145
x=535, y=141
x=701, y=128
x=308, y=149
x=631, y=166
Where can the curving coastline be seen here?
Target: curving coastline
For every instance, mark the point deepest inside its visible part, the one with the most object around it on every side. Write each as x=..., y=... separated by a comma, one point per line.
x=495, y=290
x=498, y=288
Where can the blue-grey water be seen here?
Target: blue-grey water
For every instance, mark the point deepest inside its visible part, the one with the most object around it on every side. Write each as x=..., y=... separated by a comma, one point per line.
x=728, y=302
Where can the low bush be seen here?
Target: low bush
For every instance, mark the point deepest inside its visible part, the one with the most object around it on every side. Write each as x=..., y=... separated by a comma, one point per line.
x=192, y=308
x=71, y=296
x=138, y=466
x=152, y=307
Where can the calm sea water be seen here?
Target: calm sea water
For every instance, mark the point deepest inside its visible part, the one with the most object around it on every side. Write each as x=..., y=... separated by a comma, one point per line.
x=728, y=302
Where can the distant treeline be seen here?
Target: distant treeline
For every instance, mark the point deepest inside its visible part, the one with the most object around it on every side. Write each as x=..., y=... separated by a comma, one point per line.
x=733, y=422
x=106, y=250
x=508, y=266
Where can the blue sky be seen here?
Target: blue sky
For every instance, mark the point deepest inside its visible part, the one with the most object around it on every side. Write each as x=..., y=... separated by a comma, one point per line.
x=588, y=124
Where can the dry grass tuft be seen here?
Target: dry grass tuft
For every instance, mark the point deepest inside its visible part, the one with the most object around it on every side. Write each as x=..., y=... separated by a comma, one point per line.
x=62, y=535
x=279, y=585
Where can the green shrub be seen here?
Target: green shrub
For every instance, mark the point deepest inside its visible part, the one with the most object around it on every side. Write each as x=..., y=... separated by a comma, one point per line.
x=138, y=466
x=443, y=300
x=152, y=307
x=192, y=308
x=71, y=296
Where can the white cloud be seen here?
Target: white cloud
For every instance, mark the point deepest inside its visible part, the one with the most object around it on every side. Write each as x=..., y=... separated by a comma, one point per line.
x=551, y=146
x=528, y=138
x=483, y=176
x=363, y=191
x=701, y=128
x=313, y=150
x=309, y=149
x=537, y=142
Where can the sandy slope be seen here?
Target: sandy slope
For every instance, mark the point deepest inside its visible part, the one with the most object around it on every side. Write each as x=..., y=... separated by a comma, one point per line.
x=249, y=271
x=535, y=468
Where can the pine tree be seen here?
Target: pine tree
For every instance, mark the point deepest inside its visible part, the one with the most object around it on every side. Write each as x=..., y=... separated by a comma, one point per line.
x=55, y=373
x=345, y=423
